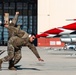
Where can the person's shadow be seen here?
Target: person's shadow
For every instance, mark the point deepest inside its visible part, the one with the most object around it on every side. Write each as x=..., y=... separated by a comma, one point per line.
x=19, y=68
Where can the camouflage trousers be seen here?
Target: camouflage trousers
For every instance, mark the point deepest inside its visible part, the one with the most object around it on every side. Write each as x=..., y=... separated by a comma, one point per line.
x=14, y=54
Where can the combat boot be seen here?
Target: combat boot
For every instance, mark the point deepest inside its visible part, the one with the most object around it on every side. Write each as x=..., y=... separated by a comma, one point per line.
x=0, y=63
x=11, y=66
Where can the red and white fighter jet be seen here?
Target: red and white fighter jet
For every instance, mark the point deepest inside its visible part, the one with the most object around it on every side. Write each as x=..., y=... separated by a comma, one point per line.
x=57, y=32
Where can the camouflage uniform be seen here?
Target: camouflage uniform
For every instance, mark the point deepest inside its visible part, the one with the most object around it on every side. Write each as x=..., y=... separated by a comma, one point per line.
x=14, y=45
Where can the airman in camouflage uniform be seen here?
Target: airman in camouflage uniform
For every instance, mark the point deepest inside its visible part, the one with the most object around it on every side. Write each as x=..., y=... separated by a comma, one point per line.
x=14, y=44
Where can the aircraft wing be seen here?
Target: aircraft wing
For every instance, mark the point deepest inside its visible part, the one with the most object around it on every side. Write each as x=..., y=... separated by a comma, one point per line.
x=71, y=26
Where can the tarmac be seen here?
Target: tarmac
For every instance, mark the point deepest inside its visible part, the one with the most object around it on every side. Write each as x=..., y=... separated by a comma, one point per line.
x=56, y=62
